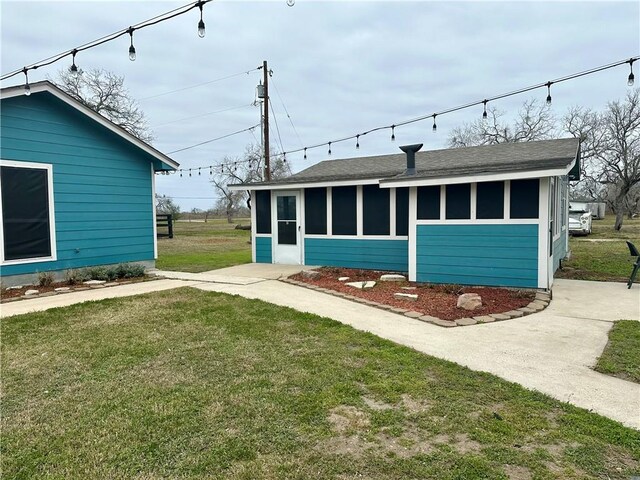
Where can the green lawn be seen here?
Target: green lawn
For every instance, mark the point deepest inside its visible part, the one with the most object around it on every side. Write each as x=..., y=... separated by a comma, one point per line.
x=602, y=260
x=192, y=384
x=199, y=246
x=621, y=357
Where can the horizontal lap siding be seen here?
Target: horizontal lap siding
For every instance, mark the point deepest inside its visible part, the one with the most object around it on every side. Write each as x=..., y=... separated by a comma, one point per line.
x=500, y=255
x=357, y=253
x=102, y=184
x=263, y=250
x=559, y=250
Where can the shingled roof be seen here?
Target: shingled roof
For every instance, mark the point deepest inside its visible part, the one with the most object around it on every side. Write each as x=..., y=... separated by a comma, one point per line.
x=482, y=160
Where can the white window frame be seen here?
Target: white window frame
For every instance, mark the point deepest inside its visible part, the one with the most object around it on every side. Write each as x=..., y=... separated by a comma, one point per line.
x=52, y=217
x=555, y=207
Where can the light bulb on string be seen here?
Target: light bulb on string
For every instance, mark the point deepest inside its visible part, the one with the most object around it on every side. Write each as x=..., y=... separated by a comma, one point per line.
x=435, y=127
x=284, y=157
x=201, y=30
x=180, y=172
x=329, y=148
x=484, y=112
x=549, y=93
x=305, y=153
x=73, y=69
x=189, y=172
x=357, y=142
x=210, y=171
x=199, y=171
x=393, y=133
x=27, y=88
x=132, y=49
x=631, y=77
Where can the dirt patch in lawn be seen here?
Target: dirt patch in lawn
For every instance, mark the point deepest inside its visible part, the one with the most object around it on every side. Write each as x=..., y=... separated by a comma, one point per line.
x=434, y=300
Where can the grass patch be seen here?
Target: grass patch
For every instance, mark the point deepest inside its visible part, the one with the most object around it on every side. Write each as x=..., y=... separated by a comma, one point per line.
x=199, y=246
x=595, y=259
x=192, y=384
x=621, y=356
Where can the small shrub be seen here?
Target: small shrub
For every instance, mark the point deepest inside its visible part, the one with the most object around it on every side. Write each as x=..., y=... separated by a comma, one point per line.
x=45, y=279
x=73, y=276
x=97, y=273
x=131, y=270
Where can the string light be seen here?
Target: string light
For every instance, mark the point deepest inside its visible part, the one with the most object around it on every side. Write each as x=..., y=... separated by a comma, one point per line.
x=27, y=88
x=132, y=49
x=484, y=112
x=549, y=93
x=305, y=153
x=73, y=68
x=329, y=148
x=357, y=142
x=434, y=129
x=631, y=77
x=393, y=133
x=189, y=172
x=199, y=171
x=201, y=31
x=284, y=157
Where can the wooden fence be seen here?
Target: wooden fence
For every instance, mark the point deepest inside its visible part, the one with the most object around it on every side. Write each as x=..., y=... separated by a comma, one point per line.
x=164, y=221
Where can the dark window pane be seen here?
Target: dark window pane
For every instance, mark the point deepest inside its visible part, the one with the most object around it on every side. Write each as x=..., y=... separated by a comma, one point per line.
x=402, y=211
x=458, y=201
x=343, y=210
x=524, y=198
x=25, y=213
x=315, y=211
x=286, y=207
x=429, y=203
x=375, y=210
x=490, y=200
x=263, y=211
x=287, y=232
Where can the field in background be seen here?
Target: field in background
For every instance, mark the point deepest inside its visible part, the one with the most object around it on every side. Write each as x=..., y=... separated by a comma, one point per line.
x=603, y=255
x=198, y=246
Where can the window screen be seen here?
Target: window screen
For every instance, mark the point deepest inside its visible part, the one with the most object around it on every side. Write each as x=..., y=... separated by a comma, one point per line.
x=375, y=210
x=343, y=210
x=524, y=198
x=402, y=211
x=490, y=200
x=263, y=211
x=429, y=203
x=286, y=219
x=315, y=211
x=458, y=202
x=25, y=213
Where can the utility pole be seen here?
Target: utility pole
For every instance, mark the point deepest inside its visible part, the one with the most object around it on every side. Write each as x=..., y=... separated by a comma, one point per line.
x=267, y=163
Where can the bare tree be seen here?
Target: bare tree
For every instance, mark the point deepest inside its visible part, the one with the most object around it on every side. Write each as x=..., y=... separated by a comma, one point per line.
x=534, y=122
x=248, y=168
x=166, y=205
x=105, y=93
x=610, y=152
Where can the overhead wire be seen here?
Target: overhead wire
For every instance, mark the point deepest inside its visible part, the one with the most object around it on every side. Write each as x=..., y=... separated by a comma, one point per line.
x=213, y=139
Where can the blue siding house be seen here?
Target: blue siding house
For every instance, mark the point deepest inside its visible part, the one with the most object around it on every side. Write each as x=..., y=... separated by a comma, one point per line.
x=491, y=215
x=75, y=189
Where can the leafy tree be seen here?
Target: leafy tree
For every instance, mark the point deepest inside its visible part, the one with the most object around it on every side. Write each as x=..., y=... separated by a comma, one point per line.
x=105, y=93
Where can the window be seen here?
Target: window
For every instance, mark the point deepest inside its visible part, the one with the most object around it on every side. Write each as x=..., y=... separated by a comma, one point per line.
x=27, y=212
x=315, y=211
x=402, y=211
x=524, y=198
x=286, y=218
x=458, y=201
x=429, y=203
x=375, y=210
x=343, y=210
x=263, y=211
x=490, y=200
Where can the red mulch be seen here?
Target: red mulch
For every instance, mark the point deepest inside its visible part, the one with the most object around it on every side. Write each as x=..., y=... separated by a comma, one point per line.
x=434, y=300
x=8, y=293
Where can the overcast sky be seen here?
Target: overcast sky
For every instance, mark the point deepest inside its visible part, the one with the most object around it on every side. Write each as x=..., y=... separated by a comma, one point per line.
x=340, y=67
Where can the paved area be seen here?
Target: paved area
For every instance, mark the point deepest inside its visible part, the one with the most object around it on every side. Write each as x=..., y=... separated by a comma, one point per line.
x=551, y=351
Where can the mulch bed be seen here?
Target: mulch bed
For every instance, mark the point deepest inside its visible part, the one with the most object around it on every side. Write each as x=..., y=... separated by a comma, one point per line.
x=9, y=294
x=434, y=300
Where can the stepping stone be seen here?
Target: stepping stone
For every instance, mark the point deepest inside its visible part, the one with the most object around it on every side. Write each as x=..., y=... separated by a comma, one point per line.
x=536, y=307
x=15, y=287
x=399, y=310
x=361, y=285
x=428, y=318
x=406, y=296
x=465, y=321
x=540, y=303
x=444, y=323
x=31, y=293
x=526, y=310
x=343, y=279
x=63, y=289
x=514, y=313
x=408, y=288
x=48, y=294
x=500, y=316
x=485, y=319
x=392, y=277
x=413, y=314
x=94, y=282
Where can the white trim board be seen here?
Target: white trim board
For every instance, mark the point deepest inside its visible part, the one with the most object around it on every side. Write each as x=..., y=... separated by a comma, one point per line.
x=295, y=186
x=358, y=237
x=153, y=208
x=52, y=216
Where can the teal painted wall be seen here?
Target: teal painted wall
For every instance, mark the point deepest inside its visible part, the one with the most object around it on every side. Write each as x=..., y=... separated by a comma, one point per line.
x=498, y=255
x=102, y=183
x=357, y=253
x=263, y=250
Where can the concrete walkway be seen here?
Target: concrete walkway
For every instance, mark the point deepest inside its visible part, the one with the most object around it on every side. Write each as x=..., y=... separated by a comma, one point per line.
x=551, y=351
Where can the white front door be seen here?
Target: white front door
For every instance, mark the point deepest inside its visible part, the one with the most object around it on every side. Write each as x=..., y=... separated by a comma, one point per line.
x=287, y=236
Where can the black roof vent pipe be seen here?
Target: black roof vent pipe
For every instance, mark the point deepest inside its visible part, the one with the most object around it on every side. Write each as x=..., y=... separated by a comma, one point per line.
x=411, y=150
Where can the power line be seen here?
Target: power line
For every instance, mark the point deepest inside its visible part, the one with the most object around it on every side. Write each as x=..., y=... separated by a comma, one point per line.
x=287, y=112
x=202, y=115
x=277, y=128
x=482, y=102
x=247, y=72
x=213, y=140
x=108, y=38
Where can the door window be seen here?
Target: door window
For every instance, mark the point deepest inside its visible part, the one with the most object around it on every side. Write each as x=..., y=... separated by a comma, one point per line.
x=287, y=224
